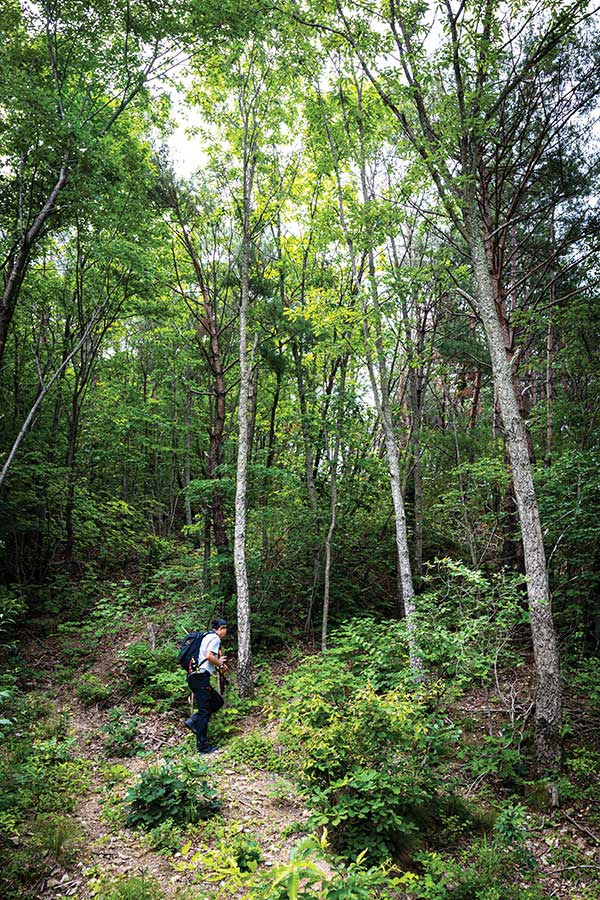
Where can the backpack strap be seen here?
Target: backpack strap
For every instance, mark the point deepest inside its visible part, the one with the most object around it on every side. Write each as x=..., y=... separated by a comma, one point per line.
x=196, y=668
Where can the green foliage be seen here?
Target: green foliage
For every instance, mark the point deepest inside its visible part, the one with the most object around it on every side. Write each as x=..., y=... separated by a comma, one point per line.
x=165, y=838
x=155, y=675
x=109, y=530
x=304, y=878
x=12, y=605
x=127, y=887
x=247, y=853
x=371, y=762
x=500, y=755
x=180, y=793
x=259, y=752
x=482, y=871
x=142, y=664
x=91, y=690
x=57, y=837
x=468, y=622
x=585, y=678
x=122, y=734
x=510, y=825
x=42, y=781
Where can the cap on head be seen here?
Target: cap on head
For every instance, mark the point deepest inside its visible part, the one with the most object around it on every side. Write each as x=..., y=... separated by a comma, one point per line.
x=220, y=623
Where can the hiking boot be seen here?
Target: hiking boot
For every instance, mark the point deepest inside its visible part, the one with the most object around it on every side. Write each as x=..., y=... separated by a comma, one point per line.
x=207, y=749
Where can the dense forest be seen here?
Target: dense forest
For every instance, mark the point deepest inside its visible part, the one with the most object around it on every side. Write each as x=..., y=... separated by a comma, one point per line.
x=300, y=327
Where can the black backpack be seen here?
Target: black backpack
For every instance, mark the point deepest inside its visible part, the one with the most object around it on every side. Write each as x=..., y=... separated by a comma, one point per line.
x=190, y=650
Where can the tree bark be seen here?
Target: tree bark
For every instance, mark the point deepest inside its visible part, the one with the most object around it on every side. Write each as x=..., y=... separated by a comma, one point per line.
x=548, y=695
x=332, y=507
x=19, y=259
x=187, y=465
x=244, y=668
x=549, y=386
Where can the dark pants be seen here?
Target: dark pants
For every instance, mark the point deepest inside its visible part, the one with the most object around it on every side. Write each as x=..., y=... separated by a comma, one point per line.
x=207, y=700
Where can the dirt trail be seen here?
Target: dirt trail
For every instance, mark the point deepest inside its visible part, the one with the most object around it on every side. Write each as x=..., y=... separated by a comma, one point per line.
x=259, y=804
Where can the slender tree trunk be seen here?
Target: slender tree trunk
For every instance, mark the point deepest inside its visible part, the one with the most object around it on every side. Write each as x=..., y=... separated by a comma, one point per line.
x=70, y=466
x=43, y=391
x=332, y=506
x=475, y=400
x=187, y=464
x=548, y=695
x=18, y=261
x=272, y=419
x=208, y=326
x=549, y=426
x=310, y=482
x=380, y=389
x=252, y=396
x=244, y=670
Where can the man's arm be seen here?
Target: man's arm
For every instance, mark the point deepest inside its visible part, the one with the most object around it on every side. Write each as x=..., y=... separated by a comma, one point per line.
x=216, y=660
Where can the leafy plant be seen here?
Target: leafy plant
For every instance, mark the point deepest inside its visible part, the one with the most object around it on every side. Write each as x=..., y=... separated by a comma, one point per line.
x=91, y=690
x=247, y=852
x=258, y=751
x=370, y=763
x=57, y=836
x=122, y=736
x=166, y=837
x=467, y=620
x=304, y=877
x=126, y=887
x=481, y=870
x=154, y=674
x=176, y=792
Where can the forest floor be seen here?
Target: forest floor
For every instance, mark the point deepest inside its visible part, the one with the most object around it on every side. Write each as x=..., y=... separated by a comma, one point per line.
x=261, y=805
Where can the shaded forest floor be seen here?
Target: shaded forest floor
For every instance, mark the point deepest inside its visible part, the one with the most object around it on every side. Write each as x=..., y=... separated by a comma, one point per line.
x=261, y=806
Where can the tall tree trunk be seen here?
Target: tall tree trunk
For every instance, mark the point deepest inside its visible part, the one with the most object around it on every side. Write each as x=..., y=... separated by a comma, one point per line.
x=272, y=419
x=253, y=374
x=549, y=351
x=332, y=506
x=18, y=261
x=310, y=481
x=208, y=326
x=187, y=463
x=244, y=668
x=380, y=388
x=70, y=466
x=548, y=694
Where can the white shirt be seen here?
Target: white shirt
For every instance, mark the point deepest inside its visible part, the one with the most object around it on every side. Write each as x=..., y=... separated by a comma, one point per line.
x=211, y=643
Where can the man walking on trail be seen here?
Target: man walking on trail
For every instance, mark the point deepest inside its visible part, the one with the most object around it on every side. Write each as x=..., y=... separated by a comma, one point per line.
x=207, y=699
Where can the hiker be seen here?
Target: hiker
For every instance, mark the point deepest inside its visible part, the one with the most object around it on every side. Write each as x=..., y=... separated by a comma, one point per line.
x=206, y=698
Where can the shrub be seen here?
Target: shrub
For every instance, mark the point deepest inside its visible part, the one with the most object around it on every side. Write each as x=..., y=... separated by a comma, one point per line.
x=305, y=877
x=122, y=737
x=41, y=781
x=91, y=690
x=482, y=871
x=154, y=674
x=585, y=677
x=170, y=688
x=370, y=762
x=58, y=837
x=258, y=751
x=466, y=620
x=176, y=792
x=248, y=854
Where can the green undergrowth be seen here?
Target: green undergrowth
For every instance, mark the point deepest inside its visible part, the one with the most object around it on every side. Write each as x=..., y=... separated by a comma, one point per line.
x=178, y=792
x=42, y=781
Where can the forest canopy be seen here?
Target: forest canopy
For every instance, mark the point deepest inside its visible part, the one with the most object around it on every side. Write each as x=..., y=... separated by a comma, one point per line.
x=300, y=327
